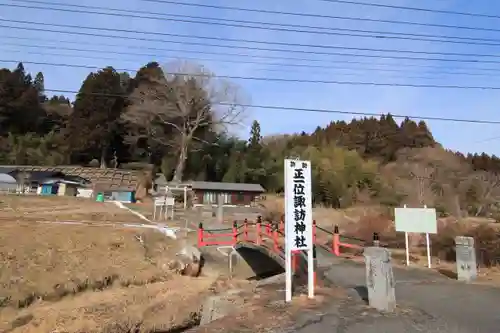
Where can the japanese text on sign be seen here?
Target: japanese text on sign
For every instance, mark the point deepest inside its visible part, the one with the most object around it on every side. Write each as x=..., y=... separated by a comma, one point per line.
x=298, y=217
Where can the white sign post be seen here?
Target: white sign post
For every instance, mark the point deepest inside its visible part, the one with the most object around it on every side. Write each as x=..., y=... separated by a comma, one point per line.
x=298, y=220
x=416, y=220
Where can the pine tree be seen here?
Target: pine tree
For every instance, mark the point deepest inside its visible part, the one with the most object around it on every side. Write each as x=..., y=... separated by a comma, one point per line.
x=254, y=157
x=39, y=85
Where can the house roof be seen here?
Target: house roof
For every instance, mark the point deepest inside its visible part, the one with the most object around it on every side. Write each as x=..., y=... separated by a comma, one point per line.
x=215, y=186
x=221, y=186
x=103, y=179
x=6, y=178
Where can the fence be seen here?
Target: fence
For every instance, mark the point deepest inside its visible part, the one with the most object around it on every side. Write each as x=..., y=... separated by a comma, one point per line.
x=259, y=232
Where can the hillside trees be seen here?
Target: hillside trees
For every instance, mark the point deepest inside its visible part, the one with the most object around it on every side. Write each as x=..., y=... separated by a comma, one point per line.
x=180, y=118
x=93, y=124
x=20, y=109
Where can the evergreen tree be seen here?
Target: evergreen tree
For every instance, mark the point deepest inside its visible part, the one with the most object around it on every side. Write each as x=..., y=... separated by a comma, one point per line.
x=254, y=156
x=20, y=109
x=39, y=85
x=98, y=107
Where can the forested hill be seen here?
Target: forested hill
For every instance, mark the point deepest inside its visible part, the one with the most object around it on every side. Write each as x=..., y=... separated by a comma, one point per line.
x=176, y=122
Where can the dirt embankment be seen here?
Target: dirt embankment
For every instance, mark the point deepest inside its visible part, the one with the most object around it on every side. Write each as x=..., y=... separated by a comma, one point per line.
x=88, y=278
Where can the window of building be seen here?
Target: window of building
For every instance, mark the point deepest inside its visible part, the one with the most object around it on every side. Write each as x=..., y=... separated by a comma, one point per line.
x=209, y=198
x=227, y=198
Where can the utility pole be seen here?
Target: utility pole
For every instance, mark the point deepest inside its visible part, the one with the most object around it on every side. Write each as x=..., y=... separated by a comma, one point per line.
x=421, y=185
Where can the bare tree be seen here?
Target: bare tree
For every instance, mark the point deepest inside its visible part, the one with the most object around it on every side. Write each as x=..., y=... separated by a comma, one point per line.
x=486, y=187
x=175, y=110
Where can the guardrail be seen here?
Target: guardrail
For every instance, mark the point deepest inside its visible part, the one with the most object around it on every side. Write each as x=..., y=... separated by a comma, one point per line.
x=259, y=232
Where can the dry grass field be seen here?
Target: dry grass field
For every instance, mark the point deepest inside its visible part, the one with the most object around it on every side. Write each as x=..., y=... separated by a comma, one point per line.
x=40, y=208
x=157, y=307
x=95, y=277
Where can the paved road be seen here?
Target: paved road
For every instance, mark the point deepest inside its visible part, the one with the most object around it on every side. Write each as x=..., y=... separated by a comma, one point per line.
x=428, y=302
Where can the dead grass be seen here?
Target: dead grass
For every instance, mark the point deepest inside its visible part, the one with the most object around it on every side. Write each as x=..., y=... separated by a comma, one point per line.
x=40, y=208
x=50, y=261
x=154, y=308
x=96, y=277
x=265, y=311
x=273, y=209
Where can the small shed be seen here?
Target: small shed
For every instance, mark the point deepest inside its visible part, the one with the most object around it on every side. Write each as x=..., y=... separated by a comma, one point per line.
x=48, y=189
x=57, y=183
x=124, y=194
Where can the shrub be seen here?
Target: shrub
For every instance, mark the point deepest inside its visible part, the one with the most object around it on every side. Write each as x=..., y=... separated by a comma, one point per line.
x=485, y=236
x=381, y=224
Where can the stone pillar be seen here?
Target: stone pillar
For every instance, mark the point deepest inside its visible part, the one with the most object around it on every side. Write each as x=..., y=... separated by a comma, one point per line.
x=380, y=279
x=220, y=208
x=466, y=258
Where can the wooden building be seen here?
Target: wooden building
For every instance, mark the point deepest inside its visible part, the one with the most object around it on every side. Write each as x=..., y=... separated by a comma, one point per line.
x=233, y=194
x=203, y=193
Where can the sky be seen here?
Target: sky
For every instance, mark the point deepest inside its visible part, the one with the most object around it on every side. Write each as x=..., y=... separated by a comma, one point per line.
x=238, y=59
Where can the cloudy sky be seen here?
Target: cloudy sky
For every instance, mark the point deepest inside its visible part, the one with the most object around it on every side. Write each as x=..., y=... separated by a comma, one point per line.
x=331, y=51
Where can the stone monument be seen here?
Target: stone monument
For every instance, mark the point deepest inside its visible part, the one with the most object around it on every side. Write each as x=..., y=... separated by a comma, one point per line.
x=380, y=279
x=466, y=258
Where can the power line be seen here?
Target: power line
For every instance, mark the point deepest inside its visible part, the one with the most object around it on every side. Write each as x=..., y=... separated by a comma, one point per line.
x=365, y=33
x=135, y=12
x=257, y=78
x=347, y=18
x=230, y=40
x=350, y=48
x=285, y=108
x=294, y=44
x=428, y=10
x=264, y=69
x=224, y=61
x=244, y=55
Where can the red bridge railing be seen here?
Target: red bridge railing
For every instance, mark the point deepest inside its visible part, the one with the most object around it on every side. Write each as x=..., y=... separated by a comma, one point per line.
x=259, y=232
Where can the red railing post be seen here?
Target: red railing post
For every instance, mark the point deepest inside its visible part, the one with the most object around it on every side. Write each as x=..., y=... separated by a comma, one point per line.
x=235, y=233
x=200, y=235
x=276, y=239
x=268, y=229
x=336, y=241
x=282, y=223
x=245, y=230
x=294, y=261
x=376, y=239
x=259, y=230
x=314, y=231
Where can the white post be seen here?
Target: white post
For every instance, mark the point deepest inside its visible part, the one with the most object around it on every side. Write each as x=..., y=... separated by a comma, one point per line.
x=310, y=273
x=185, y=197
x=288, y=254
x=407, y=246
x=288, y=276
x=428, y=241
x=407, y=249
x=428, y=250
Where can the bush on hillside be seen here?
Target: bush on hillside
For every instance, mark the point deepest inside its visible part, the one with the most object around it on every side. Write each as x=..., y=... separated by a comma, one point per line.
x=486, y=239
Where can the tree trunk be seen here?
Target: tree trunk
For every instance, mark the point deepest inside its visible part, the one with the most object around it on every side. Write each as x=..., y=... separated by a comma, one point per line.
x=457, y=206
x=103, y=157
x=179, y=169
